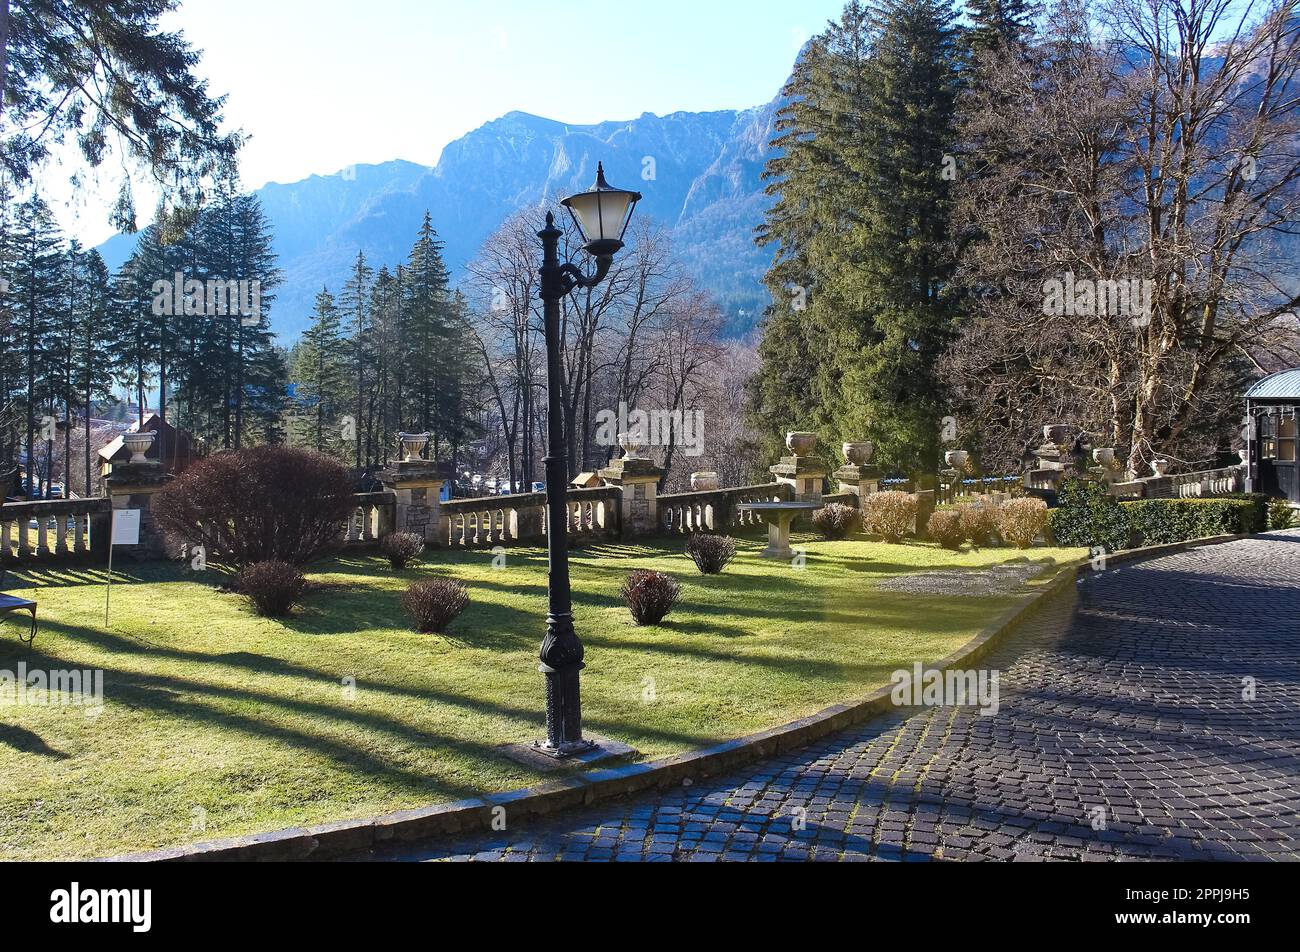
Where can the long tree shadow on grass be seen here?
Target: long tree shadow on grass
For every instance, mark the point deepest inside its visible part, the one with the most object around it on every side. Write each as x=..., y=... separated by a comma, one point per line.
x=532, y=718
x=28, y=742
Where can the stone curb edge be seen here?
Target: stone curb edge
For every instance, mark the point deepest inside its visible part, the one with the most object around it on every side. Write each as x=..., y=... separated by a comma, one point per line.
x=352, y=837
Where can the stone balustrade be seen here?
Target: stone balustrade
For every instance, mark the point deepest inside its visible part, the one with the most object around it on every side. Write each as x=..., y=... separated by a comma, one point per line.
x=1203, y=485
x=716, y=510
x=520, y=519
x=371, y=518
x=54, y=530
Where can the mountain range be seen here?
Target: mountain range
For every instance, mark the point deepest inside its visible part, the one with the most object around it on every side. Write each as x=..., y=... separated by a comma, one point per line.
x=703, y=183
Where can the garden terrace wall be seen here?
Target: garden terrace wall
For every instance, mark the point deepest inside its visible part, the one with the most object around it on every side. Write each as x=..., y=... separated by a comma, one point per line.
x=372, y=517
x=1203, y=485
x=63, y=531
x=520, y=519
x=717, y=510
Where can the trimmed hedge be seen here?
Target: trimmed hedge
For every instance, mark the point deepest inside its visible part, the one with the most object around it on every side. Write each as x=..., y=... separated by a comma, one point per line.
x=1165, y=521
x=1089, y=517
x=1092, y=518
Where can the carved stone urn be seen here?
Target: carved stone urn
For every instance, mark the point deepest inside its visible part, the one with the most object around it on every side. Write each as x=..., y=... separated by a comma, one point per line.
x=704, y=482
x=1104, y=458
x=1057, y=433
x=859, y=454
x=413, y=445
x=631, y=445
x=957, y=459
x=138, y=444
x=801, y=444
x=1161, y=467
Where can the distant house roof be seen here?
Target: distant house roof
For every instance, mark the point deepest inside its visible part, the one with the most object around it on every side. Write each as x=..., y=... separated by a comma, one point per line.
x=178, y=443
x=1280, y=386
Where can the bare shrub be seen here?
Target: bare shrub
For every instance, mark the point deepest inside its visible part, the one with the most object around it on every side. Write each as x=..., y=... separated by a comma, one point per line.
x=650, y=596
x=891, y=515
x=272, y=588
x=401, y=549
x=710, y=553
x=834, y=521
x=979, y=524
x=1021, y=521
x=946, y=529
x=435, y=603
x=265, y=504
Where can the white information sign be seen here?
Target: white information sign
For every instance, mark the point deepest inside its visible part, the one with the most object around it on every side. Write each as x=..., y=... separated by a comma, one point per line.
x=126, y=527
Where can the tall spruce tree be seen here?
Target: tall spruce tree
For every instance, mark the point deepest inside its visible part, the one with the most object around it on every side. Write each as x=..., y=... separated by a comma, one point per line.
x=817, y=203
x=355, y=305
x=320, y=370
x=94, y=351
x=39, y=295
x=862, y=182
x=894, y=284
x=996, y=25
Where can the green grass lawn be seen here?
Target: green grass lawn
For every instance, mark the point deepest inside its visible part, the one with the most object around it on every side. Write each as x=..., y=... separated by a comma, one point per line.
x=217, y=723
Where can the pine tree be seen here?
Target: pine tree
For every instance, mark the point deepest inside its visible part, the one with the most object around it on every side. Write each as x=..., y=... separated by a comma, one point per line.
x=259, y=366
x=38, y=292
x=998, y=24
x=427, y=335
x=864, y=256
x=94, y=354
x=893, y=276
x=355, y=305
x=320, y=370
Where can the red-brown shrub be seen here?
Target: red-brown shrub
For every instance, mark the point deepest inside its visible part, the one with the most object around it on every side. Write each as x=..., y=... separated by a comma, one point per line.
x=650, y=596
x=401, y=549
x=265, y=504
x=271, y=588
x=710, y=553
x=435, y=603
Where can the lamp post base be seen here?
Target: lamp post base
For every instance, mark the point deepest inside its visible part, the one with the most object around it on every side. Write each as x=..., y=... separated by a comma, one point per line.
x=590, y=751
x=565, y=751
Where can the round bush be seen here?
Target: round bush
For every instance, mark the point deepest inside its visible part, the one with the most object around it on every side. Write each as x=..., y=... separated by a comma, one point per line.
x=834, y=521
x=978, y=524
x=265, y=504
x=1280, y=515
x=891, y=515
x=1021, y=521
x=433, y=604
x=946, y=529
x=650, y=596
x=272, y=588
x=401, y=549
x=710, y=553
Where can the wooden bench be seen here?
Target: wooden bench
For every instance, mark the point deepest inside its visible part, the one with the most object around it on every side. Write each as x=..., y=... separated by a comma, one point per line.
x=10, y=604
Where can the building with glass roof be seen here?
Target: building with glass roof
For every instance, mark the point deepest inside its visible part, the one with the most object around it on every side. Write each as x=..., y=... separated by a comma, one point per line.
x=1271, y=407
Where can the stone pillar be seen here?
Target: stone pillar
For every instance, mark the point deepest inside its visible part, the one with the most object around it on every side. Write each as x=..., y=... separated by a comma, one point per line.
x=926, y=501
x=802, y=472
x=639, y=480
x=133, y=485
x=417, y=484
x=857, y=476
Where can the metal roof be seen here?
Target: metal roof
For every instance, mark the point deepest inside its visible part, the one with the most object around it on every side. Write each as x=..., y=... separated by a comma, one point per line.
x=1283, y=386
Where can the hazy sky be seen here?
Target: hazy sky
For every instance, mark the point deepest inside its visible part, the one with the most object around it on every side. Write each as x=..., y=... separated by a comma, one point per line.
x=323, y=84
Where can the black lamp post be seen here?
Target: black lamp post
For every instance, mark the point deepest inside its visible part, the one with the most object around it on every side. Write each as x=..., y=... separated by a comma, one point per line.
x=602, y=216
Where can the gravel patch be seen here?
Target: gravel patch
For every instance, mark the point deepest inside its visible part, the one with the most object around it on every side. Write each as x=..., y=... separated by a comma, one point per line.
x=968, y=583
